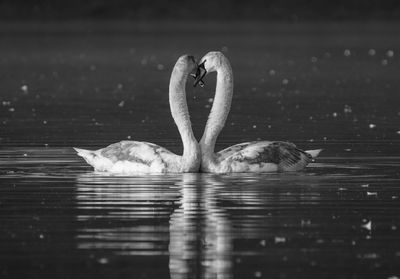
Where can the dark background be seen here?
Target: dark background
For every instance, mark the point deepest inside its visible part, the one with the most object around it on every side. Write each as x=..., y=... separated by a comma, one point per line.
x=286, y=10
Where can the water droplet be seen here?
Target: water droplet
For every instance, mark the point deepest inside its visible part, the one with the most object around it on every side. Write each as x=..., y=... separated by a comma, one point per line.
x=314, y=59
x=390, y=53
x=121, y=104
x=384, y=62
x=24, y=88
x=371, y=52
x=347, y=52
x=103, y=260
x=372, y=126
x=257, y=274
x=272, y=72
x=279, y=239
x=285, y=81
x=347, y=109
x=160, y=67
x=367, y=225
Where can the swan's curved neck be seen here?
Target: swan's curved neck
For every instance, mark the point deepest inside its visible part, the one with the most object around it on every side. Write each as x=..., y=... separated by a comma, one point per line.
x=180, y=113
x=220, y=108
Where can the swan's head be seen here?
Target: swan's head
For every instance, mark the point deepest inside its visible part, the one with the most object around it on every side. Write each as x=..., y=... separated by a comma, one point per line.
x=211, y=62
x=186, y=64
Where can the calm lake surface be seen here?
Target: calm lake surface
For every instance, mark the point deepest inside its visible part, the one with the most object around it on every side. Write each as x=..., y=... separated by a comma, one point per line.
x=330, y=86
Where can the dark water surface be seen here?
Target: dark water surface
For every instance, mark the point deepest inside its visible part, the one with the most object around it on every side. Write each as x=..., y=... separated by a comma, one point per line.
x=325, y=86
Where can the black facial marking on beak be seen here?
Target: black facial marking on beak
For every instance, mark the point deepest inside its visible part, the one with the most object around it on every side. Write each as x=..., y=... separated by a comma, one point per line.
x=200, y=73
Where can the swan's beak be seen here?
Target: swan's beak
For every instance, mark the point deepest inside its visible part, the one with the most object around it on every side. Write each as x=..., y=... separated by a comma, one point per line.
x=200, y=73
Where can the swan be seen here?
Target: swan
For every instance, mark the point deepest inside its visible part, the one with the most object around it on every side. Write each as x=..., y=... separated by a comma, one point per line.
x=132, y=157
x=255, y=156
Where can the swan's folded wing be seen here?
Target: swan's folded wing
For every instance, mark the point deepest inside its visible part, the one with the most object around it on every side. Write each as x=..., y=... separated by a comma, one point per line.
x=234, y=149
x=143, y=153
x=285, y=155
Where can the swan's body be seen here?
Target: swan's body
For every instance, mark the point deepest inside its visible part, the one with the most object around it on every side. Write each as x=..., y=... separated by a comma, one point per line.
x=132, y=157
x=257, y=156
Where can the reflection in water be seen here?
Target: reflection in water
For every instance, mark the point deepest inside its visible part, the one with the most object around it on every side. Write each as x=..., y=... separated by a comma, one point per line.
x=200, y=232
x=185, y=217
x=126, y=215
x=223, y=226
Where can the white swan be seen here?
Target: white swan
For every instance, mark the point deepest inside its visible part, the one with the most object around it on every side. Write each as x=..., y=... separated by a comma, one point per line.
x=256, y=156
x=132, y=157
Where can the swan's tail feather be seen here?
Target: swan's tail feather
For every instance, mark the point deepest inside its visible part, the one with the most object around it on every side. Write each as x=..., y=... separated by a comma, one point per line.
x=88, y=155
x=314, y=153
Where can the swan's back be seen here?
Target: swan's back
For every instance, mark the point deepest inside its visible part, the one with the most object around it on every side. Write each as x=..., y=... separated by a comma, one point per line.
x=261, y=156
x=131, y=157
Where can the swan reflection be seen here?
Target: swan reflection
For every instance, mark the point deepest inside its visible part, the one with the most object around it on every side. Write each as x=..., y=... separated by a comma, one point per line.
x=128, y=215
x=157, y=215
x=193, y=219
x=200, y=232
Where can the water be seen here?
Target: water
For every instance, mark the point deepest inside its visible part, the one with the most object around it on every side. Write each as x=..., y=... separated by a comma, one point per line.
x=325, y=86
